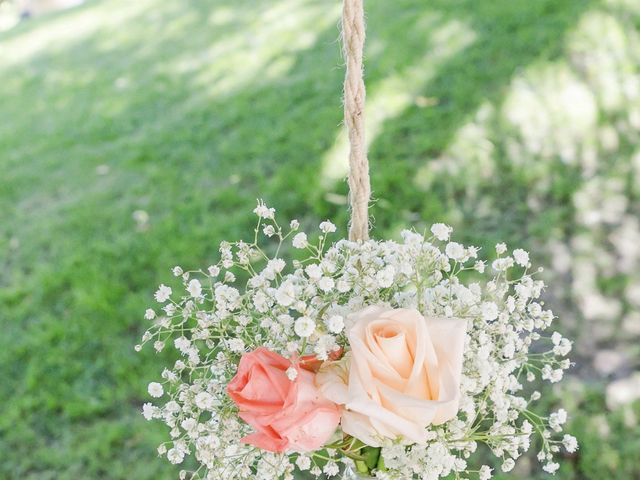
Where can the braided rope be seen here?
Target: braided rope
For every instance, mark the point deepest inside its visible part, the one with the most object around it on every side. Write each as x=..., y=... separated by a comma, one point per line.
x=353, y=35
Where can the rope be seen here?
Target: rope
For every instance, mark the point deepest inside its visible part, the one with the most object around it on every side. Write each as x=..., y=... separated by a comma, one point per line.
x=353, y=34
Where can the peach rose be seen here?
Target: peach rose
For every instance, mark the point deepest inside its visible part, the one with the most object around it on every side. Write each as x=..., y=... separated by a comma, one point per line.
x=402, y=374
x=287, y=414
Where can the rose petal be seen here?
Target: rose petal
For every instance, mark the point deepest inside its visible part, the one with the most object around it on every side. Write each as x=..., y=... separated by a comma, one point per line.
x=314, y=430
x=448, y=337
x=331, y=380
x=394, y=346
x=266, y=442
x=263, y=387
x=389, y=424
x=404, y=374
x=359, y=426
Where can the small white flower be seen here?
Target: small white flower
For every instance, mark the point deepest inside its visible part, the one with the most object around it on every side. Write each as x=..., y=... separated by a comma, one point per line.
x=479, y=266
x=163, y=293
x=454, y=251
x=263, y=211
x=551, y=467
x=326, y=284
x=523, y=290
x=149, y=314
x=292, y=373
x=501, y=248
x=236, y=345
x=177, y=271
x=570, y=443
x=489, y=311
x=179, y=365
x=508, y=465
x=327, y=227
x=214, y=270
x=521, y=257
x=194, y=288
x=300, y=240
x=556, y=338
x=304, y=327
x=269, y=231
x=563, y=348
x=385, y=276
x=485, y=472
x=148, y=411
x=169, y=375
x=534, y=309
x=155, y=390
x=509, y=350
x=441, y=231
x=276, y=264
x=331, y=469
x=343, y=286
x=502, y=264
x=557, y=419
x=562, y=416
x=552, y=375
x=294, y=224
x=286, y=294
x=303, y=462
x=189, y=424
x=182, y=344
x=205, y=401
x=335, y=324
x=314, y=271
x=175, y=456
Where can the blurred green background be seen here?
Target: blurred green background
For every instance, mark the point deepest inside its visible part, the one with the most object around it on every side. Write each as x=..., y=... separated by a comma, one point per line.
x=135, y=136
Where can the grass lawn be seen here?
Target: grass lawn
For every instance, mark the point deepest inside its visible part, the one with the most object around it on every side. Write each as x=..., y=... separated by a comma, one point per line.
x=135, y=136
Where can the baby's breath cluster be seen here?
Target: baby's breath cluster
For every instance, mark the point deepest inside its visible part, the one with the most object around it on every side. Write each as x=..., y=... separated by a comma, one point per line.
x=253, y=297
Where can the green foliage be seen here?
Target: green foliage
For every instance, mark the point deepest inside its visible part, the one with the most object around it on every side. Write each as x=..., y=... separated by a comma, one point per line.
x=187, y=111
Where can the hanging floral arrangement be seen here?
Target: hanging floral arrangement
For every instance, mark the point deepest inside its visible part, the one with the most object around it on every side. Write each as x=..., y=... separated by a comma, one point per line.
x=361, y=358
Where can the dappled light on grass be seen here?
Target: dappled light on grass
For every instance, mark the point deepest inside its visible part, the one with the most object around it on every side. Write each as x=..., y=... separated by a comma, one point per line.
x=262, y=46
x=555, y=115
x=390, y=97
x=468, y=163
x=566, y=134
x=66, y=30
x=252, y=43
x=9, y=16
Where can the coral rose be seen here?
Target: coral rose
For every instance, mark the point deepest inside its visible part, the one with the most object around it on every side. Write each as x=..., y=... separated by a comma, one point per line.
x=287, y=414
x=402, y=374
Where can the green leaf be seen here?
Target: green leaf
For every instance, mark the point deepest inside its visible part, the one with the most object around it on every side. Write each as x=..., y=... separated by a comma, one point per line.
x=371, y=455
x=361, y=466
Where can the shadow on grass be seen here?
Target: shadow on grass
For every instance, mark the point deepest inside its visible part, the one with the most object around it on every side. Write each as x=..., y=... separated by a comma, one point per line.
x=509, y=36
